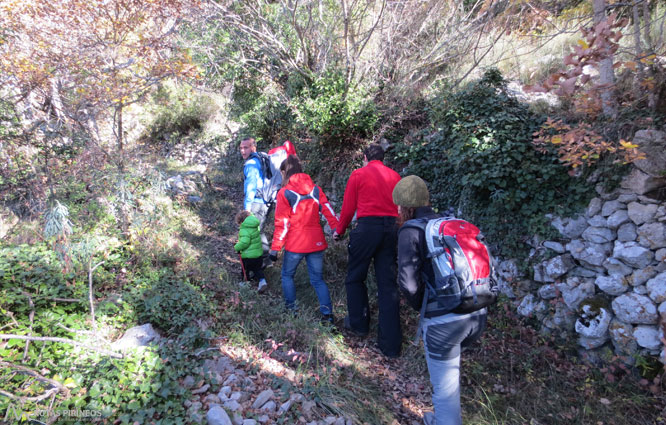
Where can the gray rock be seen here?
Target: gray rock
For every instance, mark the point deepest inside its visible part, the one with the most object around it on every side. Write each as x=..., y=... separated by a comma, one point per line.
x=622, y=335
x=249, y=422
x=662, y=309
x=527, y=305
x=635, y=309
x=647, y=337
x=591, y=343
x=641, y=213
x=652, y=143
x=307, y=407
x=574, y=295
x=598, y=235
x=237, y=419
x=609, y=207
x=175, y=184
x=598, y=221
x=263, y=419
x=262, y=398
x=588, y=253
x=269, y=406
x=571, y=228
x=548, y=292
x=138, y=336
x=652, y=235
x=627, y=197
x=632, y=254
x=284, y=407
x=660, y=255
x=211, y=399
x=641, y=276
x=297, y=398
x=232, y=405
x=641, y=183
x=616, y=267
x=221, y=365
x=218, y=416
x=582, y=272
x=627, y=232
x=224, y=393
x=594, y=324
x=613, y=285
x=617, y=219
x=640, y=289
x=562, y=319
x=656, y=288
x=231, y=379
x=188, y=382
x=594, y=207
x=201, y=390
x=554, y=246
x=550, y=270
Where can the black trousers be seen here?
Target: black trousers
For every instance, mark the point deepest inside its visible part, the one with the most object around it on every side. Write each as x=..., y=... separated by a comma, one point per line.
x=375, y=238
x=253, y=265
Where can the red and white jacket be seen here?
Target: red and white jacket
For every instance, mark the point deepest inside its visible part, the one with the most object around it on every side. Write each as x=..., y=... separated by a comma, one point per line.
x=297, y=224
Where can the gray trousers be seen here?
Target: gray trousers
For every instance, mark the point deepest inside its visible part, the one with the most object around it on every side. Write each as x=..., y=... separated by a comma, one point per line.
x=261, y=210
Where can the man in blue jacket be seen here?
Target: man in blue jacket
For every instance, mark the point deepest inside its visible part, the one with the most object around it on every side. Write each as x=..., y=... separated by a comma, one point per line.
x=253, y=181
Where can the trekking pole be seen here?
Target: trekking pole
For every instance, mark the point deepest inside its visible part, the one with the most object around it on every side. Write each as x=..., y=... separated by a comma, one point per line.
x=242, y=267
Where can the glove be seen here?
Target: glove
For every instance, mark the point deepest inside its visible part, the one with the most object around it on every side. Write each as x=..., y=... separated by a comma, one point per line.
x=273, y=255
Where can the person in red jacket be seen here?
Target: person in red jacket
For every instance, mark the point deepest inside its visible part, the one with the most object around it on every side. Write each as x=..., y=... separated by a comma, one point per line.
x=298, y=230
x=369, y=194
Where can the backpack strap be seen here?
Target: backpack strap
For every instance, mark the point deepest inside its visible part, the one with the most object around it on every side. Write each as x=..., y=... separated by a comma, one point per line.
x=295, y=198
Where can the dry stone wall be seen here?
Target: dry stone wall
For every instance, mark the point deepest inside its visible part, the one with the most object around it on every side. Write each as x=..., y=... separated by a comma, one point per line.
x=605, y=280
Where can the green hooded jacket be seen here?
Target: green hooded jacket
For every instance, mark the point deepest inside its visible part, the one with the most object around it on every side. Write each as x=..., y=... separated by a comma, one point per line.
x=249, y=238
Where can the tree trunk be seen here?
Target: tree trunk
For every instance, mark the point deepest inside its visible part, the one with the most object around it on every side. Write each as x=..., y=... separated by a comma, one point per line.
x=119, y=137
x=606, y=73
x=638, y=49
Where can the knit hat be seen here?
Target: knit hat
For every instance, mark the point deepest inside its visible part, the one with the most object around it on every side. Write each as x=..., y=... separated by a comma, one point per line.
x=411, y=191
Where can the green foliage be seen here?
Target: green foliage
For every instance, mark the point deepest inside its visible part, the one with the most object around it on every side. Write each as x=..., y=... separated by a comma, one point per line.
x=479, y=159
x=170, y=302
x=263, y=110
x=179, y=112
x=340, y=116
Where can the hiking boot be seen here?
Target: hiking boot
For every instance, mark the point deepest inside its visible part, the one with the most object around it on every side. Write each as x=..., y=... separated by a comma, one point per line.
x=352, y=330
x=429, y=418
x=263, y=285
x=327, y=319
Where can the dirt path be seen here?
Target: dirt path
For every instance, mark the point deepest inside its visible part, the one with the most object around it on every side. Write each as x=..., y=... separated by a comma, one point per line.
x=407, y=393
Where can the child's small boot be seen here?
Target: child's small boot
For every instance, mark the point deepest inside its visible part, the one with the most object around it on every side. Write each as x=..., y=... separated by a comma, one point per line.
x=263, y=285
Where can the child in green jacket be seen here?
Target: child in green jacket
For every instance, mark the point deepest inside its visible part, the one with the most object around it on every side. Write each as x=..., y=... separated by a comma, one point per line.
x=250, y=248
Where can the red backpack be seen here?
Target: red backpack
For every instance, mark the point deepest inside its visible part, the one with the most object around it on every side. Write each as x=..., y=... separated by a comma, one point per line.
x=461, y=262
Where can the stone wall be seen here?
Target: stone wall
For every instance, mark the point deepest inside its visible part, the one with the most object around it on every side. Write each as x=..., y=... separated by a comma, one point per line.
x=605, y=280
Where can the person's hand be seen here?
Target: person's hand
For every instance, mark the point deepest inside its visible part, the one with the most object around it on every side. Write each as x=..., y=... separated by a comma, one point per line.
x=273, y=255
x=336, y=236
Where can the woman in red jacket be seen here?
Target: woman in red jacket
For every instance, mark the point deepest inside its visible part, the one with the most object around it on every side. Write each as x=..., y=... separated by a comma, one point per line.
x=298, y=230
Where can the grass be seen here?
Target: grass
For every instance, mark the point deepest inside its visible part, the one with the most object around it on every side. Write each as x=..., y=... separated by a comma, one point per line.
x=513, y=376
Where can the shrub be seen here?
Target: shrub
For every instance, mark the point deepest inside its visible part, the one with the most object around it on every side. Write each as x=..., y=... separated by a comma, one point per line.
x=478, y=157
x=339, y=116
x=170, y=302
x=178, y=113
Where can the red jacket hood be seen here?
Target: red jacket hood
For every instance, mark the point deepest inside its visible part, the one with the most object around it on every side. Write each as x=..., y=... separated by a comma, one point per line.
x=300, y=183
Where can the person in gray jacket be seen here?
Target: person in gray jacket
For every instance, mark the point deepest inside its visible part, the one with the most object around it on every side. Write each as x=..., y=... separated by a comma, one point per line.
x=444, y=334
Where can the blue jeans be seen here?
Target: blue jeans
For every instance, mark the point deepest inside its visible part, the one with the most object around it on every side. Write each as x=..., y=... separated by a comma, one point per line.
x=315, y=262
x=443, y=337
